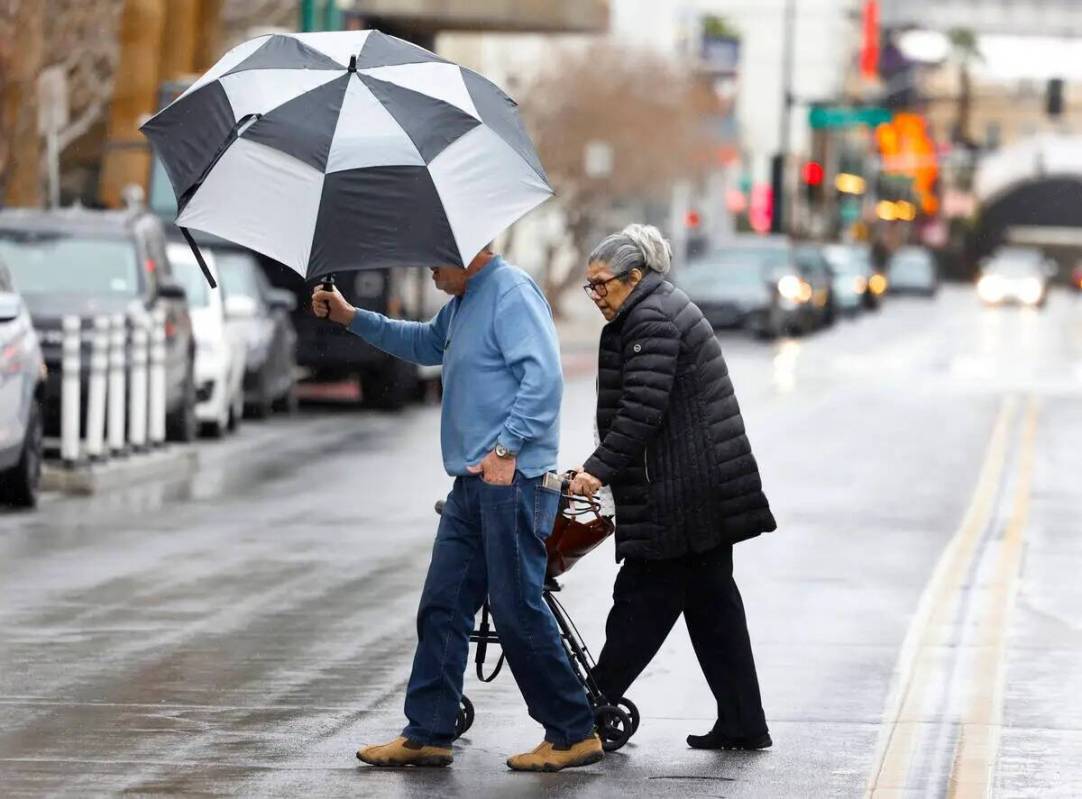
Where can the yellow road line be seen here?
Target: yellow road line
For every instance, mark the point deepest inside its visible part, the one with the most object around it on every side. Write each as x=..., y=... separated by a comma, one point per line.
x=918, y=661
x=972, y=771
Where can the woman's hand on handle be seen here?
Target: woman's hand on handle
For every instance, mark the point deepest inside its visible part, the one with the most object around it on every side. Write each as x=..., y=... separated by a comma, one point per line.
x=584, y=484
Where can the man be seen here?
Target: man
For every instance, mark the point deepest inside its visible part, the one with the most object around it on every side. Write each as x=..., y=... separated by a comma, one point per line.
x=502, y=387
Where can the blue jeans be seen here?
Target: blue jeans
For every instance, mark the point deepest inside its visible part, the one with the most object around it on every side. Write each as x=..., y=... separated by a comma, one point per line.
x=491, y=540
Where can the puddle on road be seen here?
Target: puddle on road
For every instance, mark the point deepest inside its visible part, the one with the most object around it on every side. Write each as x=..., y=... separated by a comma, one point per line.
x=231, y=475
x=784, y=373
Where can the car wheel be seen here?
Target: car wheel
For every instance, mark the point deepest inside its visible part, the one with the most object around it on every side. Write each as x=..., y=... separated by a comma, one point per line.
x=263, y=405
x=287, y=403
x=213, y=429
x=236, y=411
x=19, y=484
x=182, y=425
x=772, y=326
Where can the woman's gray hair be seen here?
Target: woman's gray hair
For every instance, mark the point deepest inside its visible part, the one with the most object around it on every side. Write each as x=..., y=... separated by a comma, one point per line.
x=635, y=247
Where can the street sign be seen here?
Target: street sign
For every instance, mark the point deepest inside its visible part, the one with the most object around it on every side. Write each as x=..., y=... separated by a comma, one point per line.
x=597, y=159
x=53, y=114
x=823, y=116
x=52, y=100
x=850, y=209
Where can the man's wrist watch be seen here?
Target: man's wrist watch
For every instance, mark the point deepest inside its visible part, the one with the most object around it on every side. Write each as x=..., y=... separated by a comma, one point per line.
x=503, y=452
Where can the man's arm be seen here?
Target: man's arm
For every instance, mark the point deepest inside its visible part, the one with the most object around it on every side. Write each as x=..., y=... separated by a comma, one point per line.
x=527, y=338
x=651, y=352
x=420, y=342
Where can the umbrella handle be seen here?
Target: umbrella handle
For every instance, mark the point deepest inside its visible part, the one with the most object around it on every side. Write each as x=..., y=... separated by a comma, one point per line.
x=198, y=257
x=328, y=283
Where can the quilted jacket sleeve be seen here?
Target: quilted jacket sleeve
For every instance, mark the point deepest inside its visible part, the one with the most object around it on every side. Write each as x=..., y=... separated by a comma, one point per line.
x=651, y=350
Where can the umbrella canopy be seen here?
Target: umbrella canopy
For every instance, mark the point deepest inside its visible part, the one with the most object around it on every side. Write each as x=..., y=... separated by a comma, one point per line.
x=347, y=150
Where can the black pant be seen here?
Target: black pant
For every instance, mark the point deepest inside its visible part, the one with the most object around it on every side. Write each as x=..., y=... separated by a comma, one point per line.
x=649, y=596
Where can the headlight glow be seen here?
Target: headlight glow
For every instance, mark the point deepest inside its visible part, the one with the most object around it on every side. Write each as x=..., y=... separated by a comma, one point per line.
x=990, y=288
x=878, y=284
x=1030, y=290
x=791, y=288
x=860, y=284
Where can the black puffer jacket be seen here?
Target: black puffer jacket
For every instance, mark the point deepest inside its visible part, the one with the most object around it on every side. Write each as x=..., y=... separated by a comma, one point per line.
x=673, y=446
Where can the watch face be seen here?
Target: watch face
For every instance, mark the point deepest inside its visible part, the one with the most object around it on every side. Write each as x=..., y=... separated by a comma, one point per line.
x=501, y=451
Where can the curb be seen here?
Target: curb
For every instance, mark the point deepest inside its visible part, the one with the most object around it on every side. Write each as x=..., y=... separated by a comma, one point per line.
x=126, y=471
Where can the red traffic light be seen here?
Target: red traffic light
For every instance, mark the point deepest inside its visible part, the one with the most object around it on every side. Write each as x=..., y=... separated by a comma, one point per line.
x=692, y=219
x=813, y=173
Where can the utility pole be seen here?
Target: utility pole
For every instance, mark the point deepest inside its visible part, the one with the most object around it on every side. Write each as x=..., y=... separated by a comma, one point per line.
x=160, y=40
x=777, y=164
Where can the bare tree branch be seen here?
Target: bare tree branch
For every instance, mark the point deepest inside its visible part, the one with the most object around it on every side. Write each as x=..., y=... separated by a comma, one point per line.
x=641, y=105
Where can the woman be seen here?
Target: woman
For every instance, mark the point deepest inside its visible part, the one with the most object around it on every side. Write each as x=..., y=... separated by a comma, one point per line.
x=686, y=486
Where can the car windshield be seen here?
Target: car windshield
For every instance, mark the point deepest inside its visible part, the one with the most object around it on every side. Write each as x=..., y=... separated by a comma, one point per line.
x=1011, y=267
x=161, y=200
x=56, y=262
x=1017, y=254
x=911, y=266
x=848, y=260
x=735, y=266
x=187, y=272
x=237, y=269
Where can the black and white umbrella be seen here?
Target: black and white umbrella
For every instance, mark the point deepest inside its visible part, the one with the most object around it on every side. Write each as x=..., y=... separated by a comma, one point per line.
x=347, y=150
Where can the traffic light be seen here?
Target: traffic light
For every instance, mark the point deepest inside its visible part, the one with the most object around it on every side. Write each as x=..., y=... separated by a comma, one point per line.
x=1054, y=97
x=812, y=174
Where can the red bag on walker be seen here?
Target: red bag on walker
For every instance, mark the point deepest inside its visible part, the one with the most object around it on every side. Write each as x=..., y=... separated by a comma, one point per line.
x=578, y=530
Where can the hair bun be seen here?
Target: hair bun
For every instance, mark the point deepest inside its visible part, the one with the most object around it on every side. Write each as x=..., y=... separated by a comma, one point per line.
x=656, y=252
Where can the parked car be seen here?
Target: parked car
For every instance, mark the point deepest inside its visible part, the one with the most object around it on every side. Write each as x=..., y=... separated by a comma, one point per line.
x=814, y=269
x=856, y=283
x=264, y=315
x=88, y=263
x=220, y=346
x=912, y=270
x=22, y=378
x=329, y=352
x=1015, y=275
x=765, y=284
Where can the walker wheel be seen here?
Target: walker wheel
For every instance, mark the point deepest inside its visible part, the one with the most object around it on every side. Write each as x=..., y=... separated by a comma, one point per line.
x=465, y=717
x=632, y=711
x=613, y=727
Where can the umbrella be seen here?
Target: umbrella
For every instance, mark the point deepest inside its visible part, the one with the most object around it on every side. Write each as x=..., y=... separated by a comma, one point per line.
x=347, y=150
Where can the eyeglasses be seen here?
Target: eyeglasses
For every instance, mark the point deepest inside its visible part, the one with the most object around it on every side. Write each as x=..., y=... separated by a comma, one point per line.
x=599, y=290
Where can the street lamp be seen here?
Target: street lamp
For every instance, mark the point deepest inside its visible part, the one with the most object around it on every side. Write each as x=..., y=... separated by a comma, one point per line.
x=777, y=164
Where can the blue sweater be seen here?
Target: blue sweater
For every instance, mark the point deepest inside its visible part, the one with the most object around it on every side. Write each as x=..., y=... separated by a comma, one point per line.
x=501, y=368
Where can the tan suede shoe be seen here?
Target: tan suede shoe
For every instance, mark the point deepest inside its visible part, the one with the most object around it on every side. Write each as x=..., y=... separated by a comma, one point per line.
x=547, y=757
x=404, y=752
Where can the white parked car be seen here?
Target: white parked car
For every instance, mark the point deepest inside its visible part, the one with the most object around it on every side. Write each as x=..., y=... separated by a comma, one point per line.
x=220, y=346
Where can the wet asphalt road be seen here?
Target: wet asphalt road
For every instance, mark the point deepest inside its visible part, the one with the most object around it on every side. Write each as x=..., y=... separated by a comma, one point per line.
x=916, y=618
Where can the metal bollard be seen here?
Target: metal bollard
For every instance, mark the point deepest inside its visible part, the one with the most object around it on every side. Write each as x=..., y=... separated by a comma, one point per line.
x=137, y=411
x=69, y=390
x=95, y=403
x=156, y=403
x=117, y=392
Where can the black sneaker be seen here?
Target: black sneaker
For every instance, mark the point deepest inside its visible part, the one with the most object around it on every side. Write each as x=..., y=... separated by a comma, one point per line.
x=716, y=740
